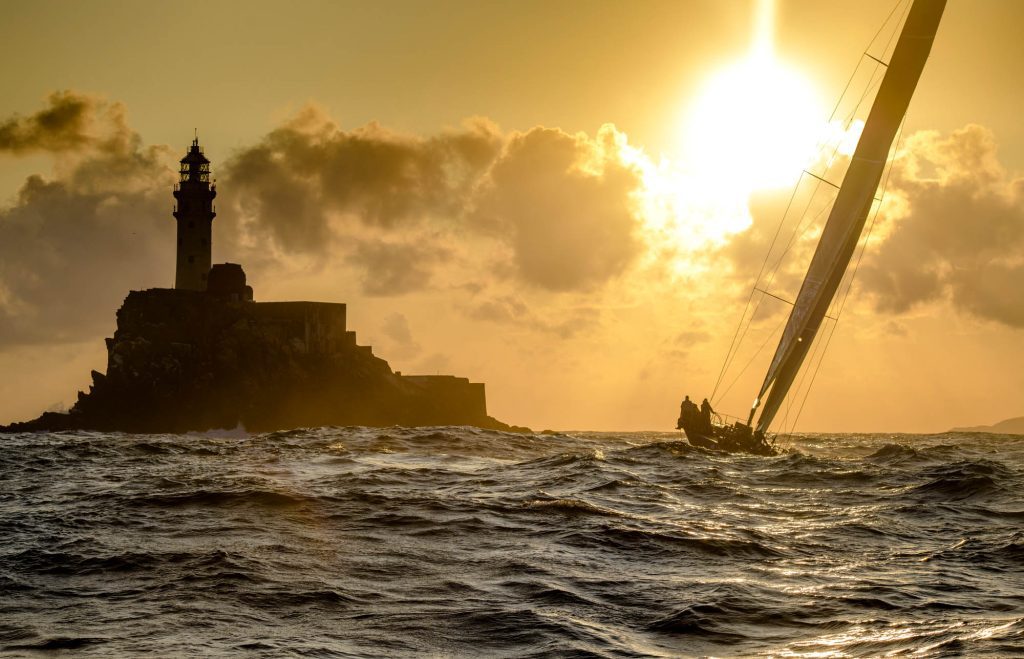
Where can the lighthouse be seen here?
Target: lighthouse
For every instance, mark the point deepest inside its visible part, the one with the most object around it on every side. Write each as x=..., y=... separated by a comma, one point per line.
x=194, y=212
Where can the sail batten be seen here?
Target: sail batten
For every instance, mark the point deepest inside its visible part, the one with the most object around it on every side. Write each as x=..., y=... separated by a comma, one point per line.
x=850, y=210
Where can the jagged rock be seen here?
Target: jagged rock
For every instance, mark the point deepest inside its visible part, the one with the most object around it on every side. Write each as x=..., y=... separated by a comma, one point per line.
x=184, y=360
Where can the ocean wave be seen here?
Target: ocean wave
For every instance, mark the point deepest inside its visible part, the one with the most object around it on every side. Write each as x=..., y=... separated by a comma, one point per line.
x=731, y=613
x=956, y=487
x=354, y=541
x=571, y=507
x=57, y=643
x=994, y=554
x=665, y=541
x=215, y=498
x=906, y=453
x=894, y=453
x=695, y=621
x=80, y=563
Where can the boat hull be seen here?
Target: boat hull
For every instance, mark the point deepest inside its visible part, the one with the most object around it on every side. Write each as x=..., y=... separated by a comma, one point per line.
x=737, y=438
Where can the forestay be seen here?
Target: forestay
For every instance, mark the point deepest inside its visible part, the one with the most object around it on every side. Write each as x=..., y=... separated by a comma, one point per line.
x=850, y=211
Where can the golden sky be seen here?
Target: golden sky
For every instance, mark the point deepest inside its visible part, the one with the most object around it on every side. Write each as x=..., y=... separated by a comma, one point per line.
x=565, y=200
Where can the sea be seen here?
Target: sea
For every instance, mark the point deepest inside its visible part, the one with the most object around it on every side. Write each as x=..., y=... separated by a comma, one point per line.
x=455, y=541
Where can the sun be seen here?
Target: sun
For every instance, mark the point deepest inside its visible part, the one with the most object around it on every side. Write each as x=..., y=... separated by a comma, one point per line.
x=753, y=126
x=756, y=123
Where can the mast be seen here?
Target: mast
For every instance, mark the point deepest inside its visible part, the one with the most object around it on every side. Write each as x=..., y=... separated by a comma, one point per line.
x=849, y=212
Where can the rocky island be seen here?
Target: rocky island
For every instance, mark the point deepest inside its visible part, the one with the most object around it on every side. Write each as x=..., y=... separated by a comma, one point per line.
x=204, y=355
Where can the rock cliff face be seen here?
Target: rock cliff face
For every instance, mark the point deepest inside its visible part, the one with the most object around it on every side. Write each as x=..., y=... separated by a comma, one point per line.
x=189, y=361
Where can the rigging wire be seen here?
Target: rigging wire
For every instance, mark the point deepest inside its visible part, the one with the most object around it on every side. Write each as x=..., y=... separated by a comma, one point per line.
x=821, y=347
x=735, y=343
x=764, y=293
x=799, y=231
x=853, y=274
x=842, y=303
x=847, y=121
x=751, y=361
x=745, y=324
x=729, y=355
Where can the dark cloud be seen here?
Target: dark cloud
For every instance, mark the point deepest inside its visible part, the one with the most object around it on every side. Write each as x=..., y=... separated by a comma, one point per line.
x=402, y=344
x=959, y=232
x=511, y=311
x=68, y=256
x=545, y=208
x=71, y=246
x=564, y=204
x=560, y=204
x=62, y=126
x=392, y=267
x=292, y=183
x=75, y=123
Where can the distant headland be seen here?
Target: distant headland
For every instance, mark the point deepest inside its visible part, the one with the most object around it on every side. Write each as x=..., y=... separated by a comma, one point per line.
x=205, y=355
x=1014, y=426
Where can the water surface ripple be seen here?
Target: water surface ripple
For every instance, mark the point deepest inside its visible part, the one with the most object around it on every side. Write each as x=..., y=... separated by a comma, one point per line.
x=352, y=542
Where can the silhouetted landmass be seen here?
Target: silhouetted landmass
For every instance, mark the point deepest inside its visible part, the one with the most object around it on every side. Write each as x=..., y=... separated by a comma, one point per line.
x=184, y=360
x=204, y=355
x=1014, y=426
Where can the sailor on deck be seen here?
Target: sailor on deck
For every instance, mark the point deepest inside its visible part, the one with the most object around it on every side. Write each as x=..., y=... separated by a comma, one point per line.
x=688, y=414
x=705, y=415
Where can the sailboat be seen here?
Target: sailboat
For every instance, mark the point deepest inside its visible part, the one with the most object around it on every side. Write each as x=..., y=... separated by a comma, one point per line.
x=836, y=247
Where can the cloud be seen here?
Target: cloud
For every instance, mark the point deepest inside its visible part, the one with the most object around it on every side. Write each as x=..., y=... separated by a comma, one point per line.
x=560, y=205
x=74, y=123
x=402, y=344
x=62, y=126
x=306, y=173
x=544, y=208
x=895, y=329
x=435, y=363
x=72, y=244
x=956, y=230
x=505, y=309
x=394, y=267
x=564, y=203
x=68, y=254
x=951, y=231
x=508, y=310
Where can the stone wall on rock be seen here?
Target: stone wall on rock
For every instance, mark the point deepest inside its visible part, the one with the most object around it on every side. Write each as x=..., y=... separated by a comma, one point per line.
x=452, y=393
x=318, y=326
x=183, y=360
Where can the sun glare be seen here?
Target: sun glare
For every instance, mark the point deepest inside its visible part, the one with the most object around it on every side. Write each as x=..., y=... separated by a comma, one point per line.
x=754, y=126
x=756, y=122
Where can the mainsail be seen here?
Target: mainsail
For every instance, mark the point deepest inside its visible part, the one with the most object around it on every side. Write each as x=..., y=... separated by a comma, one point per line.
x=850, y=211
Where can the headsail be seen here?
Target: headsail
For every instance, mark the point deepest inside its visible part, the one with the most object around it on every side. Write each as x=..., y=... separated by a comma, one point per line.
x=846, y=220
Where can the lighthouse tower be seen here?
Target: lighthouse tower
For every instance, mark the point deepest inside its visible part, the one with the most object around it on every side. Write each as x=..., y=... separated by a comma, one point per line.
x=194, y=213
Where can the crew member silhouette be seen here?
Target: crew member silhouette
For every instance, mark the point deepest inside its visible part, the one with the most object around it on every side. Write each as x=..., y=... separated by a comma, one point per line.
x=688, y=414
x=705, y=415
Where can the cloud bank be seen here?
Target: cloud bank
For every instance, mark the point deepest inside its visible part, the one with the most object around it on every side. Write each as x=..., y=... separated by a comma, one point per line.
x=558, y=207
x=512, y=225
x=71, y=245
x=955, y=231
